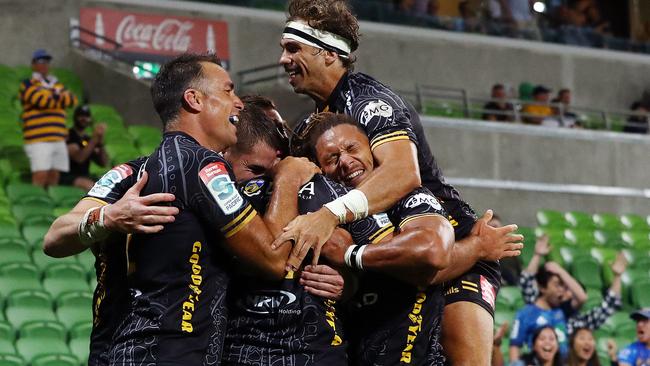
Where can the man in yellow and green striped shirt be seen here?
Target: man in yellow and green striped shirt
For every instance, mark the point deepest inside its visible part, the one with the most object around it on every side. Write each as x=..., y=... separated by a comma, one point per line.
x=44, y=100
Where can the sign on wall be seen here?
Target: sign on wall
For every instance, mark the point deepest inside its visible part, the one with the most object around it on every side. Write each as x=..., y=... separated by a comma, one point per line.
x=151, y=36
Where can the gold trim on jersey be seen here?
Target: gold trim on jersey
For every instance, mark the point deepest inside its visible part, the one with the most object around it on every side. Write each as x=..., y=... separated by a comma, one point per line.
x=239, y=222
x=393, y=136
x=381, y=233
x=411, y=218
x=471, y=286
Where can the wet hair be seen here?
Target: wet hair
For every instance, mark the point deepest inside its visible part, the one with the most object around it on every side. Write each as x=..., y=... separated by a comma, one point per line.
x=258, y=101
x=174, y=77
x=255, y=126
x=334, y=16
x=319, y=123
x=573, y=358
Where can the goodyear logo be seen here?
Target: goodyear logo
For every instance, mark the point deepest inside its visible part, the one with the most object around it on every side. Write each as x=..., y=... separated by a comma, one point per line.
x=196, y=278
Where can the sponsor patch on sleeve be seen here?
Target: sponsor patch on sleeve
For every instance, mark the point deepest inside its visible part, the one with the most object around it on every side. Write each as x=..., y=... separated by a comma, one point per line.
x=221, y=187
x=375, y=108
x=421, y=198
x=105, y=185
x=487, y=292
x=381, y=219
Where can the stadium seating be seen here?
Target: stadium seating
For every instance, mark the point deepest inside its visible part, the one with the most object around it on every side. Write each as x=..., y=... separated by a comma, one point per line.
x=39, y=338
x=7, y=338
x=18, y=276
x=80, y=340
x=73, y=308
x=28, y=305
x=64, y=277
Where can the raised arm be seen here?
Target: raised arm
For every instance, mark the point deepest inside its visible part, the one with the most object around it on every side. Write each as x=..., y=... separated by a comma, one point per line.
x=579, y=296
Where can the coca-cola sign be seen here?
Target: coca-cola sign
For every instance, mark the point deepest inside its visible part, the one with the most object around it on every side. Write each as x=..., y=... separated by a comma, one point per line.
x=154, y=34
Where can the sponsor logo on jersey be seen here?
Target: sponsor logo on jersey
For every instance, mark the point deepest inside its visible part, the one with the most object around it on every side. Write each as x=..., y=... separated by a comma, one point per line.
x=270, y=302
x=221, y=187
x=105, y=185
x=541, y=320
x=422, y=198
x=374, y=109
x=254, y=187
x=307, y=191
x=487, y=292
x=381, y=219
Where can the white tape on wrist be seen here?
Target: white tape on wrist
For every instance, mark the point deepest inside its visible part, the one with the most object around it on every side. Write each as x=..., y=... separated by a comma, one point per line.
x=357, y=203
x=91, y=228
x=347, y=257
x=337, y=207
x=359, y=258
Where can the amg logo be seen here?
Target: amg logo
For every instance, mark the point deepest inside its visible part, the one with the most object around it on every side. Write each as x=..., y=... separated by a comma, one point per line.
x=374, y=109
x=268, y=302
x=452, y=290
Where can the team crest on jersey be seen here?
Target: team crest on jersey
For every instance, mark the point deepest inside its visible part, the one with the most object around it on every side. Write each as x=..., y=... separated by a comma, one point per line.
x=374, y=109
x=422, y=198
x=269, y=302
x=254, y=187
x=105, y=185
x=221, y=187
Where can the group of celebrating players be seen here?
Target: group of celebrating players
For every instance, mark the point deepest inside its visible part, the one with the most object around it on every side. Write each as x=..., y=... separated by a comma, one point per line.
x=241, y=242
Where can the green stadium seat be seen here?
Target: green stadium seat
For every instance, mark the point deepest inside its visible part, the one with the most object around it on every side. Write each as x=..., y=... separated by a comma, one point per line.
x=34, y=233
x=17, y=191
x=80, y=341
x=635, y=222
x=570, y=253
x=616, y=321
x=6, y=218
x=594, y=299
x=145, y=133
x=56, y=360
x=529, y=244
x=641, y=294
x=11, y=360
x=64, y=277
x=580, y=237
x=75, y=307
x=636, y=239
x=587, y=272
x=629, y=278
x=555, y=235
x=611, y=239
x=43, y=261
x=23, y=212
x=509, y=298
x=9, y=231
x=635, y=256
x=13, y=253
x=87, y=260
x=608, y=222
x=604, y=256
x=34, y=201
x=7, y=338
x=551, y=218
x=501, y=317
x=28, y=305
x=65, y=194
x=39, y=338
x=580, y=220
x=18, y=276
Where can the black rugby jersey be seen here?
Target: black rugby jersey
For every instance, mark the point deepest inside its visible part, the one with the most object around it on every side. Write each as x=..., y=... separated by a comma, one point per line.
x=391, y=322
x=281, y=323
x=110, y=297
x=385, y=117
x=178, y=277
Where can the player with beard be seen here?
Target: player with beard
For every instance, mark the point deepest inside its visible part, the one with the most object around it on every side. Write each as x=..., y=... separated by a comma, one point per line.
x=317, y=43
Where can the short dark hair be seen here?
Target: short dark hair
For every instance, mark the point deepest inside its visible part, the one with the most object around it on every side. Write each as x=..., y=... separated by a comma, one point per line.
x=497, y=86
x=173, y=79
x=334, y=16
x=305, y=145
x=543, y=277
x=258, y=101
x=255, y=126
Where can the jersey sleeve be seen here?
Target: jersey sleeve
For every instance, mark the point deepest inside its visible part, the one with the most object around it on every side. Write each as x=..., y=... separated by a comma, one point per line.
x=384, y=117
x=217, y=200
x=518, y=331
x=419, y=203
x=114, y=183
x=627, y=355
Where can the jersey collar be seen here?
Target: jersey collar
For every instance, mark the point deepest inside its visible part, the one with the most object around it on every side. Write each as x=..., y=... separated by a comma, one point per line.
x=336, y=102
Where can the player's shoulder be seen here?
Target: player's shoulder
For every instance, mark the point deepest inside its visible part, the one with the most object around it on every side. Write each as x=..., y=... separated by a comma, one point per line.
x=420, y=197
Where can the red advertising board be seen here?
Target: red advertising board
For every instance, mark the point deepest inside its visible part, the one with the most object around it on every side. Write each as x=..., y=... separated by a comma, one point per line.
x=153, y=34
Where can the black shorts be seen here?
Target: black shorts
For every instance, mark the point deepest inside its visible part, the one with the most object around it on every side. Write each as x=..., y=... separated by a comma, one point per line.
x=472, y=287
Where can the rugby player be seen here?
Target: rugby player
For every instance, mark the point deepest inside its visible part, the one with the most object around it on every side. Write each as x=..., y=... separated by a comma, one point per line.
x=317, y=43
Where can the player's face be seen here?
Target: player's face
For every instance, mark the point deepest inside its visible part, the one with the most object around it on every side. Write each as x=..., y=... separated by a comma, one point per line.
x=304, y=64
x=584, y=345
x=261, y=159
x=545, y=345
x=220, y=103
x=343, y=153
x=41, y=66
x=643, y=331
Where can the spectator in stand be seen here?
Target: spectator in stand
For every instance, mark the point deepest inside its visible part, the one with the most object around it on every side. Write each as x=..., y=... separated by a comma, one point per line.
x=569, y=119
x=44, y=100
x=539, y=110
x=498, y=109
x=469, y=20
x=582, y=349
x=519, y=13
x=544, y=350
x=83, y=149
x=573, y=297
x=638, y=353
x=637, y=123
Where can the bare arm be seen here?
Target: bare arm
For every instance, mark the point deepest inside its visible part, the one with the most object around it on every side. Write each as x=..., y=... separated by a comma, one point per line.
x=618, y=268
x=130, y=214
x=542, y=248
x=579, y=296
x=514, y=353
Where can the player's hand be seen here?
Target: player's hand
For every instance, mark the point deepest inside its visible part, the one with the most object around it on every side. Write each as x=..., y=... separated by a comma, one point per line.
x=500, y=333
x=298, y=170
x=323, y=281
x=334, y=249
x=620, y=264
x=497, y=243
x=612, y=350
x=134, y=214
x=307, y=231
x=100, y=129
x=542, y=247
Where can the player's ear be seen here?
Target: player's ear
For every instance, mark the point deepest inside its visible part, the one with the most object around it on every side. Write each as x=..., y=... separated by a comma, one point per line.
x=193, y=100
x=330, y=57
